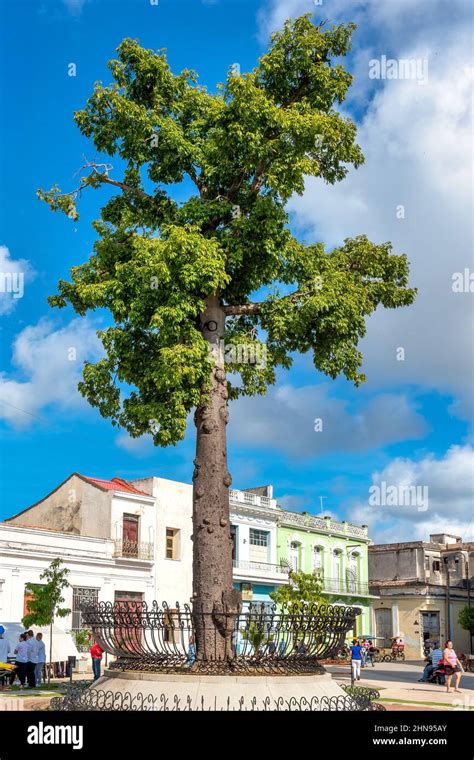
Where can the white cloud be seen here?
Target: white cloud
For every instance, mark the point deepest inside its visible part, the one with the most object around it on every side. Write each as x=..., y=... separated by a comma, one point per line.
x=450, y=484
x=48, y=366
x=74, y=6
x=14, y=275
x=139, y=447
x=272, y=15
x=286, y=420
x=417, y=140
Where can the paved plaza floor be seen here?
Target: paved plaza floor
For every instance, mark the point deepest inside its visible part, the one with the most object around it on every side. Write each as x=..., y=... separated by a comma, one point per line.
x=398, y=685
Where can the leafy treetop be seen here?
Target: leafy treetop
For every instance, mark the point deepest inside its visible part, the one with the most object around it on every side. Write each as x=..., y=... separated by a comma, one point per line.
x=246, y=149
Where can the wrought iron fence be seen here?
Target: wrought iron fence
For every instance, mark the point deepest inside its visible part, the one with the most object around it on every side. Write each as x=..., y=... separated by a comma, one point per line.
x=80, y=697
x=133, y=549
x=261, y=638
x=345, y=586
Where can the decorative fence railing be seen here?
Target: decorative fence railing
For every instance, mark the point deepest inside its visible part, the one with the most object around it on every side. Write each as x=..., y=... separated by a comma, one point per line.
x=83, y=696
x=345, y=586
x=158, y=637
x=133, y=549
x=264, y=567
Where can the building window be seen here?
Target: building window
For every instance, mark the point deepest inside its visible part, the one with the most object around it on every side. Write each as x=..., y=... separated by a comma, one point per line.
x=337, y=570
x=436, y=566
x=233, y=538
x=259, y=545
x=130, y=534
x=131, y=634
x=258, y=537
x=317, y=559
x=294, y=557
x=173, y=548
x=80, y=598
x=352, y=572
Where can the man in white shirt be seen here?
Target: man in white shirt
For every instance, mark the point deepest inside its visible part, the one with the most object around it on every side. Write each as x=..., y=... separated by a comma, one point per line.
x=32, y=659
x=40, y=658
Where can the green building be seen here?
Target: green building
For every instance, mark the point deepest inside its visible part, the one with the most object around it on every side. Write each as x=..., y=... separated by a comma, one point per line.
x=339, y=549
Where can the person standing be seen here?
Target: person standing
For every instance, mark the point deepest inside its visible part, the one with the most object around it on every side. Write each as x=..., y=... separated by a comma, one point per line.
x=191, y=655
x=31, y=663
x=452, y=666
x=96, y=654
x=371, y=652
x=4, y=649
x=4, y=646
x=40, y=658
x=364, y=651
x=356, y=659
x=21, y=658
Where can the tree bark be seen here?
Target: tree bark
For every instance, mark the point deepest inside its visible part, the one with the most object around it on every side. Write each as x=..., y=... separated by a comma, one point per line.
x=215, y=602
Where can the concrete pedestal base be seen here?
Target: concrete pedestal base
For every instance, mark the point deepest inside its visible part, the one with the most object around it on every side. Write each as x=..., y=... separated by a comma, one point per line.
x=158, y=691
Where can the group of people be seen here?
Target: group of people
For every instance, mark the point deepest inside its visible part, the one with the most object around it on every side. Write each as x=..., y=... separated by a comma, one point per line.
x=446, y=663
x=30, y=658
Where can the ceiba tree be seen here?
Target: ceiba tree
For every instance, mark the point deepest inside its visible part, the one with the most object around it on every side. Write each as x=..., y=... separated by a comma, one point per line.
x=180, y=278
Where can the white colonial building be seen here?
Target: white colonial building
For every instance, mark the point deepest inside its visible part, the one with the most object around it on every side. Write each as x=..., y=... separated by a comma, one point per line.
x=104, y=531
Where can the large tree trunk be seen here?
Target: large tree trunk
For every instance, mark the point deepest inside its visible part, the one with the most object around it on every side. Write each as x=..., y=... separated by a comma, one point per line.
x=215, y=602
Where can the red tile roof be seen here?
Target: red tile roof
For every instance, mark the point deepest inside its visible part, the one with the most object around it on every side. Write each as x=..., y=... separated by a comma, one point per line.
x=116, y=484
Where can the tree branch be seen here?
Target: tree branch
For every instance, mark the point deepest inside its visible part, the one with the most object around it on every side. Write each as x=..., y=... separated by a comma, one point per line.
x=126, y=188
x=245, y=309
x=250, y=309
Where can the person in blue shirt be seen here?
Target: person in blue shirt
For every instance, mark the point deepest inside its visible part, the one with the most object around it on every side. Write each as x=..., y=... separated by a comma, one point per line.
x=432, y=662
x=356, y=659
x=191, y=656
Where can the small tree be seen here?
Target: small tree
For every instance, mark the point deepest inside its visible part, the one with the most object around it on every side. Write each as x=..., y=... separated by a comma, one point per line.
x=82, y=639
x=46, y=600
x=257, y=636
x=302, y=588
x=466, y=619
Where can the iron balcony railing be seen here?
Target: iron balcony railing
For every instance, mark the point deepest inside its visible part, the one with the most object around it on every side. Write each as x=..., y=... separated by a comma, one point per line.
x=345, y=586
x=264, y=567
x=133, y=549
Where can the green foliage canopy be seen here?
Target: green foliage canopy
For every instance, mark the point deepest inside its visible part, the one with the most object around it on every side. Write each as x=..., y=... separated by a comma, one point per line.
x=47, y=598
x=302, y=589
x=246, y=149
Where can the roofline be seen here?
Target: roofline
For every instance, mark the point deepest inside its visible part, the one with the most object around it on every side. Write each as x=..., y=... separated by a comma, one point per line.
x=54, y=531
x=7, y=519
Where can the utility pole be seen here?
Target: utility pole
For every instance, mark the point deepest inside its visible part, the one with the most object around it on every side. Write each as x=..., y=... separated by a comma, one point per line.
x=468, y=581
x=448, y=600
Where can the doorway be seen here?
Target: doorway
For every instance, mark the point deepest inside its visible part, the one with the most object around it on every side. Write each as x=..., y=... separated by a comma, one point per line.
x=430, y=626
x=383, y=626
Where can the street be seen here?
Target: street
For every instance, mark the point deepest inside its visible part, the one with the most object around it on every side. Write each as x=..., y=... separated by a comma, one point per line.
x=398, y=684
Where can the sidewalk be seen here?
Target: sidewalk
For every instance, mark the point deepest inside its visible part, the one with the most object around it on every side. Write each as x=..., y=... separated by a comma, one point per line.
x=399, y=687
x=38, y=698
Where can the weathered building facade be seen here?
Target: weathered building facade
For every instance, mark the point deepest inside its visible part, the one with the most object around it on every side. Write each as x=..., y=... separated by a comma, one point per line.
x=422, y=586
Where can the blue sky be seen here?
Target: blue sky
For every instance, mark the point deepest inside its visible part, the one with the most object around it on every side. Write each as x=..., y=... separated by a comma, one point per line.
x=411, y=422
